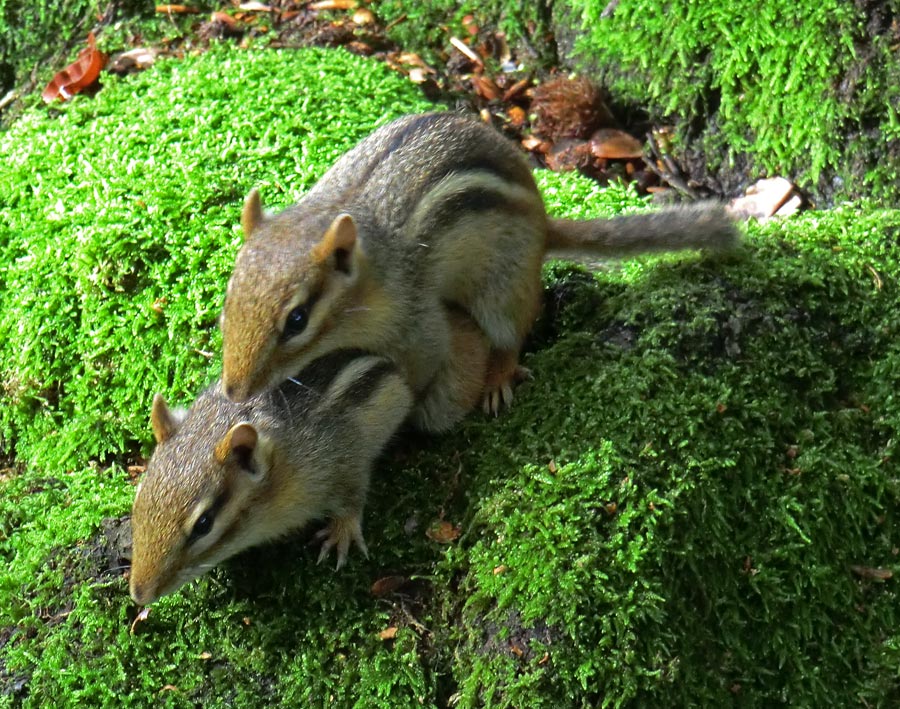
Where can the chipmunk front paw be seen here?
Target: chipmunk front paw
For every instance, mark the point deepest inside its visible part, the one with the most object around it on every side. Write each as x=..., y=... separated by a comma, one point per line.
x=339, y=534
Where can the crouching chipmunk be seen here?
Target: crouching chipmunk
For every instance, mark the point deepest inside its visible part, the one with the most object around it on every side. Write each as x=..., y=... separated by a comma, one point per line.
x=227, y=476
x=428, y=210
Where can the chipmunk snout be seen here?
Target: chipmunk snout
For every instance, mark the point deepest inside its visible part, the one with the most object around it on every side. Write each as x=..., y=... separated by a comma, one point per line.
x=142, y=593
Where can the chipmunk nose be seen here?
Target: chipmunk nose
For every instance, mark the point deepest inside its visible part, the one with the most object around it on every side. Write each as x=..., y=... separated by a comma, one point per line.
x=235, y=391
x=142, y=594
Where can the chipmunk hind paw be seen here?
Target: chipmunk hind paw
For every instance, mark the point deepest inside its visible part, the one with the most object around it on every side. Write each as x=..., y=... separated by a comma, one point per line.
x=499, y=385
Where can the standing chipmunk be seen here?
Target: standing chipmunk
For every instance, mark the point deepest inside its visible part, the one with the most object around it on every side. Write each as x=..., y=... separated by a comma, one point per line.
x=227, y=476
x=429, y=209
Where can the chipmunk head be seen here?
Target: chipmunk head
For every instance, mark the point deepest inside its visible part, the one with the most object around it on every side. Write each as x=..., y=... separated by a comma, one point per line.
x=199, y=500
x=295, y=272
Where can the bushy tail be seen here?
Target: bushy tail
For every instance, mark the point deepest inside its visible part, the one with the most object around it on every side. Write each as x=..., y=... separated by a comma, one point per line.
x=703, y=225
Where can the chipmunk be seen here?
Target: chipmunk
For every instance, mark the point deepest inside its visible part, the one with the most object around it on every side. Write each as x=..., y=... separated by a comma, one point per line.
x=429, y=209
x=227, y=476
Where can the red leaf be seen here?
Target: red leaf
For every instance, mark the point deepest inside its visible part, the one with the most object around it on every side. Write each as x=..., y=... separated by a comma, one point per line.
x=79, y=74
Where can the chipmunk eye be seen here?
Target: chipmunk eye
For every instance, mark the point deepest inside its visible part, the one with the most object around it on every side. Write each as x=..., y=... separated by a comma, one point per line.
x=203, y=525
x=296, y=321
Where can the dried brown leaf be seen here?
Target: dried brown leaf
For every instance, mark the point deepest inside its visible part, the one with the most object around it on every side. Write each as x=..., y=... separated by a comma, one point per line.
x=139, y=618
x=387, y=585
x=615, y=144
x=485, y=87
x=568, y=155
x=79, y=74
x=388, y=633
x=443, y=532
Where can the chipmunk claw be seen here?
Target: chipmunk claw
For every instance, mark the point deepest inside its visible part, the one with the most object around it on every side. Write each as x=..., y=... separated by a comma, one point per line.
x=498, y=393
x=338, y=535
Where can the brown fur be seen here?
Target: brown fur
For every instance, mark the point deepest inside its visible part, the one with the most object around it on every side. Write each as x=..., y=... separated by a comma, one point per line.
x=428, y=210
x=261, y=469
x=310, y=445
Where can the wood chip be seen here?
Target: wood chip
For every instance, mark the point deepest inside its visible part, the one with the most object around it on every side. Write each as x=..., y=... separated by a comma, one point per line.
x=537, y=145
x=333, y=5
x=133, y=60
x=869, y=572
x=764, y=199
x=464, y=49
x=177, y=10
x=388, y=633
x=223, y=18
x=418, y=75
x=364, y=16
x=792, y=206
x=411, y=58
x=516, y=89
x=516, y=115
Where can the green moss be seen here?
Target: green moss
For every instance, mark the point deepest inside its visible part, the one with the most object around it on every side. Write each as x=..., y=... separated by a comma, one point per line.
x=119, y=229
x=806, y=89
x=721, y=432
x=41, y=36
x=428, y=26
x=706, y=403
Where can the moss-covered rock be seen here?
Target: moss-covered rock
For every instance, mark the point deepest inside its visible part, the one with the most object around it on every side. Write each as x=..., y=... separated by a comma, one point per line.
x=692, y=502
x=807, y=90
x=38, y=36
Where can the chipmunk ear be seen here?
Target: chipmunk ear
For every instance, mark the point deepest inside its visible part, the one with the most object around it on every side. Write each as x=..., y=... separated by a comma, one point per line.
x=338, y=244
x=241, y=442
x=163, y=421
x=252, y=214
